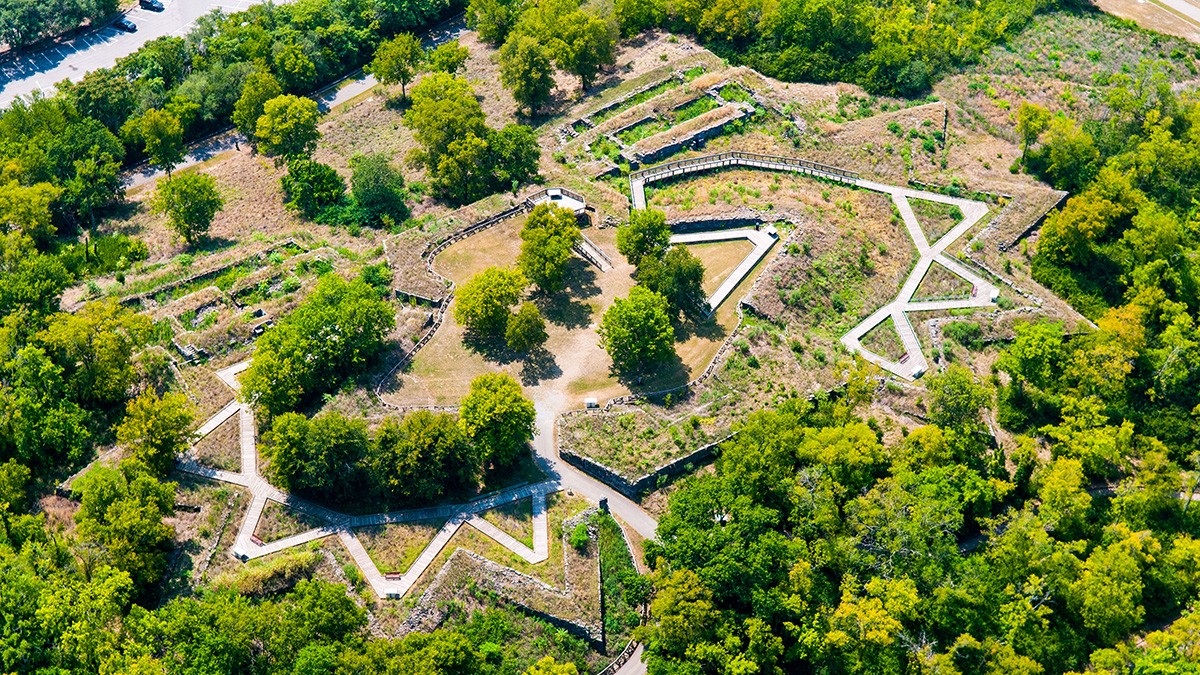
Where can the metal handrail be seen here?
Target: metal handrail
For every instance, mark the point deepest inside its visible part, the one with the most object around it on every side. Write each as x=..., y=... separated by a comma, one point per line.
x=646, y=175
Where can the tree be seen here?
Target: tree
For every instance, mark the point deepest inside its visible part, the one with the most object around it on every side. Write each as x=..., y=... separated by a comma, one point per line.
x=1070, y=154
x=332, y=335
x=513, y=156
x=526, y=70
x=463, y=173
x=646, y=234
x=637, y=331
x=584, y=46
x=493, y=19
x=547, y=239
x=156, y=430
x=95, y=347
x=678, y=277
x=190, y=201
x=314, y=457
x=296, y=70
x=288, y=127
x=526, y=329
x=956, y=400
x=27, y=209
x=260, y=87
x=548, y=666
x=396, y=61
x=122, y=510
x=482, y=304
x=448, y=57
x=1031, y=122
x=378, y=189
x=634, y=16
x=1062, y=489
x=311, y=187
x=423, y=456
x=162, y=135
x=444, y=109
x=497, y=418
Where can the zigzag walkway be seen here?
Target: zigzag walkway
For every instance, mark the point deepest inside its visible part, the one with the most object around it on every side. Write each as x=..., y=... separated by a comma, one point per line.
x=913, y=363
x=247, y=546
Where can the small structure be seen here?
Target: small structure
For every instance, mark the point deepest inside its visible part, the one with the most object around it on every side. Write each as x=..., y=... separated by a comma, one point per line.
x=560, y=197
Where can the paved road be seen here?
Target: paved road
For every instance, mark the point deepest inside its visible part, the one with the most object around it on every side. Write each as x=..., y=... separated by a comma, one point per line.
x=22, y=75
x=1185, y=7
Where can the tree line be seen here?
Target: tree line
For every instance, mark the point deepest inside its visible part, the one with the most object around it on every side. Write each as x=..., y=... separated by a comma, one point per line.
x=25, y=22
x=817, y=547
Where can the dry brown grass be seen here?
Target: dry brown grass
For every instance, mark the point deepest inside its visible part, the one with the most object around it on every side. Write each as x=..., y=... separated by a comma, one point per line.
x=394, y=548
x=220, y=449
x=719, y=259
x=279, y=521
x=515, y=519
x=884, y=340
x=941, y=283
x=207, y=392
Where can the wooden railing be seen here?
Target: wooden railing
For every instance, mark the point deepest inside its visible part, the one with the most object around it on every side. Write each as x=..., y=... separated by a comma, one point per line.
x=621, y=659
x=748, y=158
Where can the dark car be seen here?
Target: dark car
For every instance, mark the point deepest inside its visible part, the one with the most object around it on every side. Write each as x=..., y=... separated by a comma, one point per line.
x=125, y=25
x=152, y=5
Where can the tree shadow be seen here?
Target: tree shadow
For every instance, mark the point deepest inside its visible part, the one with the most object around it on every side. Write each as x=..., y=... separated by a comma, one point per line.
x=566, y=307
x=213, y=245
x=539, y=365
x=700, y=326
x=666, y=375
x=491, y=347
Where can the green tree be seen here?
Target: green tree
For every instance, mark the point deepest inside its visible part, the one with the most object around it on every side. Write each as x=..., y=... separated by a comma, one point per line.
x=396, y=61
x=296, y=70
x=156, y=430
x=161, y=134
x=637, y=332
x=1070, y=154
x=493, y=19
x=1031, y=122
x=547, y=239
x=311, y=187
x=332, y=335
x=634, y=16
x=448, y=57
x=678, y=277
x=482, y=304
x=190, y=201
x=463, y=174
x=956, y=400
x=27, y=209
x=122, y=511
x=584, y=46
x=288, y=127
x=1065, y=502
x=526, y=70
x=646, y=234
x=513, y=156
x=498, y=418
x=378, y=189
x=314, y=457
x=95, y=347
x=444, y=109
x=260, y=87
x=423, y=456
x=526, y=329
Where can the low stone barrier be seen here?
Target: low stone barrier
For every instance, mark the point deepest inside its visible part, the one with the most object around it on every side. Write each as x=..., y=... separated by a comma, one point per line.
x=652, y=481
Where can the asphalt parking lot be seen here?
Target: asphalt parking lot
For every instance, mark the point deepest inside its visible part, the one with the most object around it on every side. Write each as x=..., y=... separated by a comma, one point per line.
x=23, y=74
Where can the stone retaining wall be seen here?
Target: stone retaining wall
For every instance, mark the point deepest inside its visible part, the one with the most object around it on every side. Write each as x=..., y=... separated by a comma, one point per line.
x=652, y=481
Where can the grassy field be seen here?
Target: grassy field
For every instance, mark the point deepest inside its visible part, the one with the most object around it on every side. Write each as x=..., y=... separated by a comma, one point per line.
x=936, y=218
x=278, y=521
x=719, y=259
x=941, y=284
x=220, y=449
x=515, y=519
x=395, y=547
x=884, y=341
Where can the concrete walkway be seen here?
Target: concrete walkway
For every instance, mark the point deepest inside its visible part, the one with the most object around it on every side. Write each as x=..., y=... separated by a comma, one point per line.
x=913, y=364
x=246, y=546
x=762, y=239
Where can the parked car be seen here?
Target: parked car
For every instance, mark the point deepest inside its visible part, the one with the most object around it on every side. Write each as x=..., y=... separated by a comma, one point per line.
x=152, y=5
x=125, y=25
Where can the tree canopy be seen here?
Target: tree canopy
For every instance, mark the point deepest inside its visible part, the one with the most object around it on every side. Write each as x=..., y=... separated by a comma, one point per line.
x=637, y=332
x=498, y=418
x=190, y=201
x=548, y=238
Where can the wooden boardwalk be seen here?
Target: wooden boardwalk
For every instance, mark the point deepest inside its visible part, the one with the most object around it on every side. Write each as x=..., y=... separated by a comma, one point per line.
x=913, y=364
